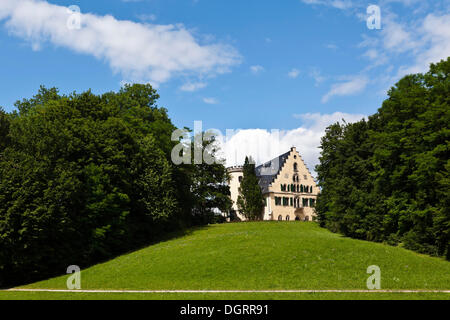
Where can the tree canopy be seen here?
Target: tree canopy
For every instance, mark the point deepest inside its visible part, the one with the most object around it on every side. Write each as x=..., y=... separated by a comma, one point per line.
x=250, y=199
x=387, y=178
x=85, y=177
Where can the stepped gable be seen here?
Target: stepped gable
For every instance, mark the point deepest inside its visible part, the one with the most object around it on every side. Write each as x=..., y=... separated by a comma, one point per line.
x=268, y=171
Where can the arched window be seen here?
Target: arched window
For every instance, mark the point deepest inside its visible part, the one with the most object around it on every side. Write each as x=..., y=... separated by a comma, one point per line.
x=288, y=218
x=307, y=218
x=295, y=166
x=297, y=218
x=280, y=218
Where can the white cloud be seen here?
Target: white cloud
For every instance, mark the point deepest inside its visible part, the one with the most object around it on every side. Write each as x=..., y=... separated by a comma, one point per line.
x=264, y=145
x=193, y=86
x=210, y=100
x=376, y=57
x=317, y=76
x=416, y=36
x=372, y=54
x=256, y=69
x=331, y=46
x=294, y=73
x=339, y=4
x=147, y=17
x=319, y=122
x=434, y=44
x=139, y=52
x=349, y=87
x=417, y=42
x=437, y=34
x=396, y=37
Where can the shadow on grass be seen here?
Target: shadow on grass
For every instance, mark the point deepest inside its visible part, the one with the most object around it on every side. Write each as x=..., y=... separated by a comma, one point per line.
x=164, y=237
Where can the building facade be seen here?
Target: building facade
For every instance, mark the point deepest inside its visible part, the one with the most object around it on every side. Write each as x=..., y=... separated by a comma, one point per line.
x=288, y=187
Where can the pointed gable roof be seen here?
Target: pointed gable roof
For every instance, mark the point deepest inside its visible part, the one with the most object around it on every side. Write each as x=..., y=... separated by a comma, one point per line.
x=268, y=171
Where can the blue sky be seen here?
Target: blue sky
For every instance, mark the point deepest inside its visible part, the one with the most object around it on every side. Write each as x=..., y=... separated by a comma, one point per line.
x=292, y=65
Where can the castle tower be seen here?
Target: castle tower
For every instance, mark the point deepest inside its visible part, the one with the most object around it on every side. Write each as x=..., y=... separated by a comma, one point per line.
x=236, y=173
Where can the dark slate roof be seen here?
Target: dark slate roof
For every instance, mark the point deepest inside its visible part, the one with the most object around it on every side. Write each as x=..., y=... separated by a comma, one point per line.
x=268, y=171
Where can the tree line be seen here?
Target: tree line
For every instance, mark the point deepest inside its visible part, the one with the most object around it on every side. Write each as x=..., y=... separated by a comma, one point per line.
x=85, y=177
x=386, y=179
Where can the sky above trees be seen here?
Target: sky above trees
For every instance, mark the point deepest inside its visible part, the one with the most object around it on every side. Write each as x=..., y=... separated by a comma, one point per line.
x=295, y=66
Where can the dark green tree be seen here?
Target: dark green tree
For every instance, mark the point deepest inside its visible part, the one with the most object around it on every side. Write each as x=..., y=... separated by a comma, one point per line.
x=387, y=179
x=4, y=129
x=250, y=199
x=210, y=193
x=83, y=177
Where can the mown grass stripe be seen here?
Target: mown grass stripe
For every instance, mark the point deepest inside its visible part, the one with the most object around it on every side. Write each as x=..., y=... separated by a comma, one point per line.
x=232, y=291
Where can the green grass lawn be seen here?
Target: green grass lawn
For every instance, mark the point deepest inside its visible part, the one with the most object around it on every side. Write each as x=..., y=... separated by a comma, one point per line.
x=256, y=256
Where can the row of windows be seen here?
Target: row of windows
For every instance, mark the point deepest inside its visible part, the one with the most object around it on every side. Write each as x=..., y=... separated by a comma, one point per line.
x=296, y=188
x=288, y=218
x=296, y=178
x=294, y=202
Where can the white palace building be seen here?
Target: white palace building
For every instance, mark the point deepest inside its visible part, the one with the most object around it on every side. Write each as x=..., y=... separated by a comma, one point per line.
x=288, y=187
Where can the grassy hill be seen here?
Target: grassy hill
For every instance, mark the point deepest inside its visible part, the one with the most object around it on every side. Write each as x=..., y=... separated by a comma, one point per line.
x=256, y=256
